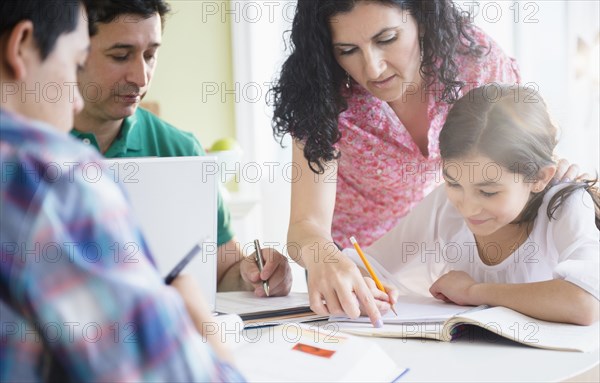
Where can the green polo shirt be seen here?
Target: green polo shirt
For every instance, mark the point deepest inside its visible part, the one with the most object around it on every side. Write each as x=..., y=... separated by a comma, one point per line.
x=145, y=135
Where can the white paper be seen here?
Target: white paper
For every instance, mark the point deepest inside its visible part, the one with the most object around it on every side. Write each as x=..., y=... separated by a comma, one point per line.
x=415, y=309
x=344, y=358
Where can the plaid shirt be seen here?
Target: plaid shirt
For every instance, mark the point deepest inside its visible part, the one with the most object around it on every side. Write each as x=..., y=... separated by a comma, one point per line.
x=80, y=298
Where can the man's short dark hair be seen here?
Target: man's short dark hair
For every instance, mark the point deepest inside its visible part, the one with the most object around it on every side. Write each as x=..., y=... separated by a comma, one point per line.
x=107, y=11
x=50, y=18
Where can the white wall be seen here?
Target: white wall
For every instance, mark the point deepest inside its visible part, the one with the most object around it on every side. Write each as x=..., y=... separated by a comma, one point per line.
x=258, y=52
x=543, y=37
x=194, y=71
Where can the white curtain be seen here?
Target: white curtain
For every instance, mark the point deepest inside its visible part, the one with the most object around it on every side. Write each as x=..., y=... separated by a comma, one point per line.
x=556, y=46
x=258, y=52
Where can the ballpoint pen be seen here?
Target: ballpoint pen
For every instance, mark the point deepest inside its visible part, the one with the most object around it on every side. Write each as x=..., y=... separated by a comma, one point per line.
x=190, y=255
x=370, y=269
x=261, y=263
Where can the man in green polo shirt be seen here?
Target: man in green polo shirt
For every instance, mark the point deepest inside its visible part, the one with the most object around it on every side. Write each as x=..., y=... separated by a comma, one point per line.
x=125, y=39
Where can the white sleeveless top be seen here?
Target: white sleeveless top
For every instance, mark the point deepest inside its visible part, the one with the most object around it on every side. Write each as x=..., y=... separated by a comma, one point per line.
x=434, y=239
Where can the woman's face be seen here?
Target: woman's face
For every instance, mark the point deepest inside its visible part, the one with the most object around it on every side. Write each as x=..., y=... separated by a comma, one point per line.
x=378, y=45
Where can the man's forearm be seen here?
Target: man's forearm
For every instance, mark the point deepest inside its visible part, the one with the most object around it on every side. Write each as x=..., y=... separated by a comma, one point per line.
x=232, y=280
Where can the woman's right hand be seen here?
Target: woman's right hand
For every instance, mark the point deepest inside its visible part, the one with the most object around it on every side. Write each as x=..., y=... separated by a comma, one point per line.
x=332, y=277
x=336, y=287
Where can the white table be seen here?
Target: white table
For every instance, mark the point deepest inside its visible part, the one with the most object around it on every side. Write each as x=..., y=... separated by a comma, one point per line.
x=484, y=359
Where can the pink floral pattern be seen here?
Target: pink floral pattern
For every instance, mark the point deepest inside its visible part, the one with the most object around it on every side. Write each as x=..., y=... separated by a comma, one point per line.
x=382, y=173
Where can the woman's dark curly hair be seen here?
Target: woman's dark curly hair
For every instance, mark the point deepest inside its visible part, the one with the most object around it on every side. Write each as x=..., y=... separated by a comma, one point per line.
x=307, y=97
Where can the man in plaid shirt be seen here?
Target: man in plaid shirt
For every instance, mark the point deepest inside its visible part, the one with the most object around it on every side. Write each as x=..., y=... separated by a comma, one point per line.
x=80, y=298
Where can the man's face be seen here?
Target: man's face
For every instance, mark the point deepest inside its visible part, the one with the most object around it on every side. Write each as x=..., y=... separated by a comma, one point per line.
x=57, y=98
x=120, y=66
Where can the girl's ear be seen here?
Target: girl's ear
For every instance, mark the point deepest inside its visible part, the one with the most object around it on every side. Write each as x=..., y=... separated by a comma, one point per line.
x=544, y=177
x=19, y=48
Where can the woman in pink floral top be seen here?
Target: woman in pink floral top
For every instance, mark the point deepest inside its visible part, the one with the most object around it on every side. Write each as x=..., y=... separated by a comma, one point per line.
x=364, y=94
x=382, y=172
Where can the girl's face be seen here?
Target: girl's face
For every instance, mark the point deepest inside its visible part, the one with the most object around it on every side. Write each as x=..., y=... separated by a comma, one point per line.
x=378, y=45
x=487, y=195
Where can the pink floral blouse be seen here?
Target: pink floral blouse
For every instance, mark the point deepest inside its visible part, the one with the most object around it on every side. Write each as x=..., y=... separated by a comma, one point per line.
x=382, y=173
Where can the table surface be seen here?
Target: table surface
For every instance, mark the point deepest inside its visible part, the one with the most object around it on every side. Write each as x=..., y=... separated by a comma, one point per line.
x=480, y=357
x=484, y=357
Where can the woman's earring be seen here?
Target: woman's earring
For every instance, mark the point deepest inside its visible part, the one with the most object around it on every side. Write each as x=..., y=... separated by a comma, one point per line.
x=347, y=80
x=421, y=46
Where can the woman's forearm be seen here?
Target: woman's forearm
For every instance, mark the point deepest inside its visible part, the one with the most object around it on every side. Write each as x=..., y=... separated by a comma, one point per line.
x=308, y=244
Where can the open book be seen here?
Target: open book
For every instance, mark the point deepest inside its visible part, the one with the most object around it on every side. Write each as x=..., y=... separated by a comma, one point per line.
x=256, y=311
x=302, y=353
x=426, y=320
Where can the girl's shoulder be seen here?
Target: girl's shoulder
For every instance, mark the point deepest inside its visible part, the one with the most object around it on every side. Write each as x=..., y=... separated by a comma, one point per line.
x=578, y=199
x=574, y=210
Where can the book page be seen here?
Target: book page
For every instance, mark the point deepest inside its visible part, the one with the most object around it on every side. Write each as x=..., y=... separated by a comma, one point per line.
x=415, y=309
x=429, y=330
x=534, y=332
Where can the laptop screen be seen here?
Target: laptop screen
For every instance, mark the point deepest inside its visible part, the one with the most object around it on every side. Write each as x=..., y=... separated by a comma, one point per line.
x=175, y=202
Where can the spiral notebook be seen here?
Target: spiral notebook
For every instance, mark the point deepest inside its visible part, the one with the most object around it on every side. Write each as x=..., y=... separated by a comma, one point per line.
x=256, y=311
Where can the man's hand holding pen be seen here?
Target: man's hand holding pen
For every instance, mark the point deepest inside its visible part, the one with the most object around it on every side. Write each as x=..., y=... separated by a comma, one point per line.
x=276, y=272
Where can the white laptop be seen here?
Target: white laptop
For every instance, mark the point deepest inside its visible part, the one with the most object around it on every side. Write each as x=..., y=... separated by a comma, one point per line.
x=175, y=201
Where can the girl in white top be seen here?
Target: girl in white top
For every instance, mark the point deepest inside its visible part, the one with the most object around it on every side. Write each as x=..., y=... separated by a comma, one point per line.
x=498, y=233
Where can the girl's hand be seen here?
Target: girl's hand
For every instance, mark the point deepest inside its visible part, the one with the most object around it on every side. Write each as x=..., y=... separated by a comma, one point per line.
x=383, y=301
x=454, y=287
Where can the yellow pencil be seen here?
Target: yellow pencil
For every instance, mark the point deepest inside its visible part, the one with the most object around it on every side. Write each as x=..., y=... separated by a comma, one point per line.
x=370, y=269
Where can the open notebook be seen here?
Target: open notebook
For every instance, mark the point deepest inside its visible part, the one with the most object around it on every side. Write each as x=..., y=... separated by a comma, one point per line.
x=256, y=311
x=425, y=317
x=416, y=309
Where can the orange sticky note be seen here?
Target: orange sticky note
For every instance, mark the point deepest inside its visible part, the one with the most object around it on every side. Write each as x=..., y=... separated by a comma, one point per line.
x=316, y=351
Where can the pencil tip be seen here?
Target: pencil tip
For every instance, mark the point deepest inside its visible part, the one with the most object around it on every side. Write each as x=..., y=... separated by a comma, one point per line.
x=353, y=240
